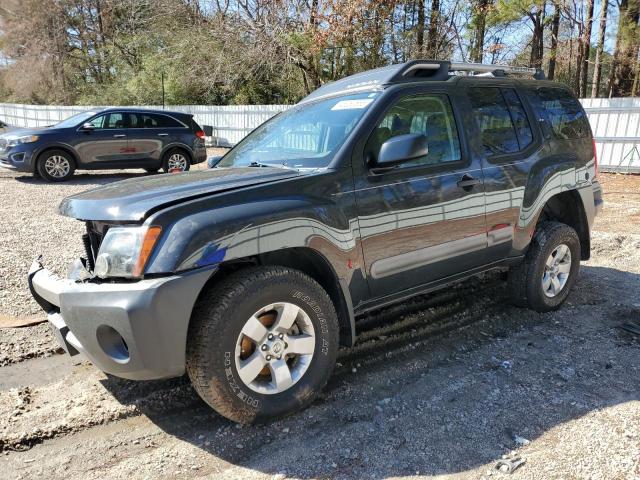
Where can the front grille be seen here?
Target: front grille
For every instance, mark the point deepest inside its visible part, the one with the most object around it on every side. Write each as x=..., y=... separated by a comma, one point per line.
x=92, y=241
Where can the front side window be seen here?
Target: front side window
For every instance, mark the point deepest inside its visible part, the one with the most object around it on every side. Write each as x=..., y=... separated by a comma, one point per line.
x=563, y=111
x=108, y=121
x=306, y=136
x=428, y=115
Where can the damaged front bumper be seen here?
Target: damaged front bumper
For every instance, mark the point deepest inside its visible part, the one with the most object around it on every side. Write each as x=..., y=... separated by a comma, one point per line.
x=135, y=330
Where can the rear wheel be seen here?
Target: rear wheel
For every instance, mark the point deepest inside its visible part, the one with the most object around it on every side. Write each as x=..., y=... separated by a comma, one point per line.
x=56, y=166
x=262, y=344
x=544, y=279
x=175, y=160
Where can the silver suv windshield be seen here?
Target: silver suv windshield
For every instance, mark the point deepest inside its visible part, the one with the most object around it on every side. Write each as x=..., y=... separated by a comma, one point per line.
x=306, y=136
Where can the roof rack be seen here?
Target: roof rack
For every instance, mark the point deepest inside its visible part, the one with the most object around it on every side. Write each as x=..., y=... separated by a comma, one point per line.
x=496, y=70
x=439, y=70
x=415, y=71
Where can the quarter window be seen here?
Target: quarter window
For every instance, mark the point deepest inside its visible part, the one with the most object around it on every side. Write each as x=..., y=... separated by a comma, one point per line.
x=429, y=115
x=563, y=111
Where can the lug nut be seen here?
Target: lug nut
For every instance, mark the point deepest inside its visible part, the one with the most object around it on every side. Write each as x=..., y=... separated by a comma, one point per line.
x=279, y=357
x=268, y=358
x=281, y=336
x=263, y=347
x=270, y=337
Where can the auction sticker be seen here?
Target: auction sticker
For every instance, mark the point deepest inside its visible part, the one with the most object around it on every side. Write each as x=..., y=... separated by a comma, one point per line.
x=352, y=104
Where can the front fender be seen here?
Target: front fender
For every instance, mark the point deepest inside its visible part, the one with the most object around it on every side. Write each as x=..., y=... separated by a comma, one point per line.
x=253, y=228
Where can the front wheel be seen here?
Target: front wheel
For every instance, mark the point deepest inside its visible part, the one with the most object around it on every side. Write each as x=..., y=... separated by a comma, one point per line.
x=542, y=282
x=55, y=166
x=262, y=344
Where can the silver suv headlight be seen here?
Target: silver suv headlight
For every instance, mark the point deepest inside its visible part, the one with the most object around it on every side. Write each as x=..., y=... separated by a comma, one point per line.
x=125, y=250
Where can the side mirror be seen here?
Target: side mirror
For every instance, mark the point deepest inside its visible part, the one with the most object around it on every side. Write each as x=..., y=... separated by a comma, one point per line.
x=213, y=161
x=88, y=126
x=401, y=149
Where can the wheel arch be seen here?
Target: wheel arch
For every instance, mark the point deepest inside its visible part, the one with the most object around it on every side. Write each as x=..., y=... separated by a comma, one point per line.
x=567, y=207
x=63, y=148
x=312, y=263
x=177, y=146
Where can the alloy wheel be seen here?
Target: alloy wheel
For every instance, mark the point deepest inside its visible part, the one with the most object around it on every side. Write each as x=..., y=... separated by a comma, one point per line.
x=275, y=348
x=177, y=161
x=57, y=166
x=557, y=269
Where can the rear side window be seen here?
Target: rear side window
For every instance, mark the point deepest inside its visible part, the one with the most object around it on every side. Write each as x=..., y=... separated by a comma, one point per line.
x=151, y=120
x=498, y=133
x=429, y=115
x=563, y=111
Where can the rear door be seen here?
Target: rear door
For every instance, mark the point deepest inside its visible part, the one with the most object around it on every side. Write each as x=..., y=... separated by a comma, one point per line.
x=423, y=220
x=509, y=146
x=150, y=133
x=106, y=145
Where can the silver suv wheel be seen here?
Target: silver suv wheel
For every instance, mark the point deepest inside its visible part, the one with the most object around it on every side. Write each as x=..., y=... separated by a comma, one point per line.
x=57, y=166
x=556, y=270
x=177, y=161
x=275, y=348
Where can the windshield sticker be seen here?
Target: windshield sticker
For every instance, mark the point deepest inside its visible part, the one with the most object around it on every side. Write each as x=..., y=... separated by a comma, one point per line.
x=352, y=104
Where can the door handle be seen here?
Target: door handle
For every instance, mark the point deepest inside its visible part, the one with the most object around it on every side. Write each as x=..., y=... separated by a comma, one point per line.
x=163, y=134
x=119, y=136
x=467, y=182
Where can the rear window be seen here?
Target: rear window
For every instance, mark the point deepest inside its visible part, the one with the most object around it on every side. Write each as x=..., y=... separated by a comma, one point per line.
x=563, y=112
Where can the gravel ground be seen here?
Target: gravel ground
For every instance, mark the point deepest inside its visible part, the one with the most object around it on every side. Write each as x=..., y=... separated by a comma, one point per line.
x=444, y=385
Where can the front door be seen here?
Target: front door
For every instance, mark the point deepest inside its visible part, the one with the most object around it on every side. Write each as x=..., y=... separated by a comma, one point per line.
x=105, y=146
x=423, y=220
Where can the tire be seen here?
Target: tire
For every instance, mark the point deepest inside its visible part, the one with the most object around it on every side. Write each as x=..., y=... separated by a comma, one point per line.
x=176, y=156
x=151, y=170
x=532, y=283
x=217, y=348
x=55, y=166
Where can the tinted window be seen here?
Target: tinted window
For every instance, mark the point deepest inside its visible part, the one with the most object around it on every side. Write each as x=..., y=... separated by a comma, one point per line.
x=151, y=120
x=429, y=115
x=519, y=117
x=564, y=113
x=498, y=134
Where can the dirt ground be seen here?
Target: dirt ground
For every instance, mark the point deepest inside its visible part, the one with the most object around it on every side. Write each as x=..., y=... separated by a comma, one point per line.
x=443, y=386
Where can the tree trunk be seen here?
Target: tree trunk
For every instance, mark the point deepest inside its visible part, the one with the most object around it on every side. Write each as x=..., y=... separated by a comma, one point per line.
x=626, y=53
x=537, y=42
x=597, y=68
x=480, y=22
x=432, y=36
x=420, y=29
x=586, y=49
x=555, y=27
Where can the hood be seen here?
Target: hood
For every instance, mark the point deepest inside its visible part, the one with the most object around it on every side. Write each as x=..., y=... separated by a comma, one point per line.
x=134, y=198
x=23, y=132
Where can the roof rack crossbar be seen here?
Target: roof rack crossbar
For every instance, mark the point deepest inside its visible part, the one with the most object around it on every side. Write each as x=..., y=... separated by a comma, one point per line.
x=488, y=68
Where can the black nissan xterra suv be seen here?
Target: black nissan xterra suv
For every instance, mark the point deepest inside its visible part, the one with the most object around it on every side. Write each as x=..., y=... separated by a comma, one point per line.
x=375, y=188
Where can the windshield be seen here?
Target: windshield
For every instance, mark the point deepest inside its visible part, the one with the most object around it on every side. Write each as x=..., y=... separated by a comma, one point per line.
x=306, y=136
x=76, y=119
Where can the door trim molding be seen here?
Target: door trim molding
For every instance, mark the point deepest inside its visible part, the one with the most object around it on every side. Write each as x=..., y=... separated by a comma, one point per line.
x=425, y=256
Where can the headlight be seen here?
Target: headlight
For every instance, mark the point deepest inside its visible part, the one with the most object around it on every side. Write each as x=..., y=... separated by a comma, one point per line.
x=125, y=251
x=14, y=141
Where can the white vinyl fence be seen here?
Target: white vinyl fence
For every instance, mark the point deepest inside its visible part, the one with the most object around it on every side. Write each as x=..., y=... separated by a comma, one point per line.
x=615, y=123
